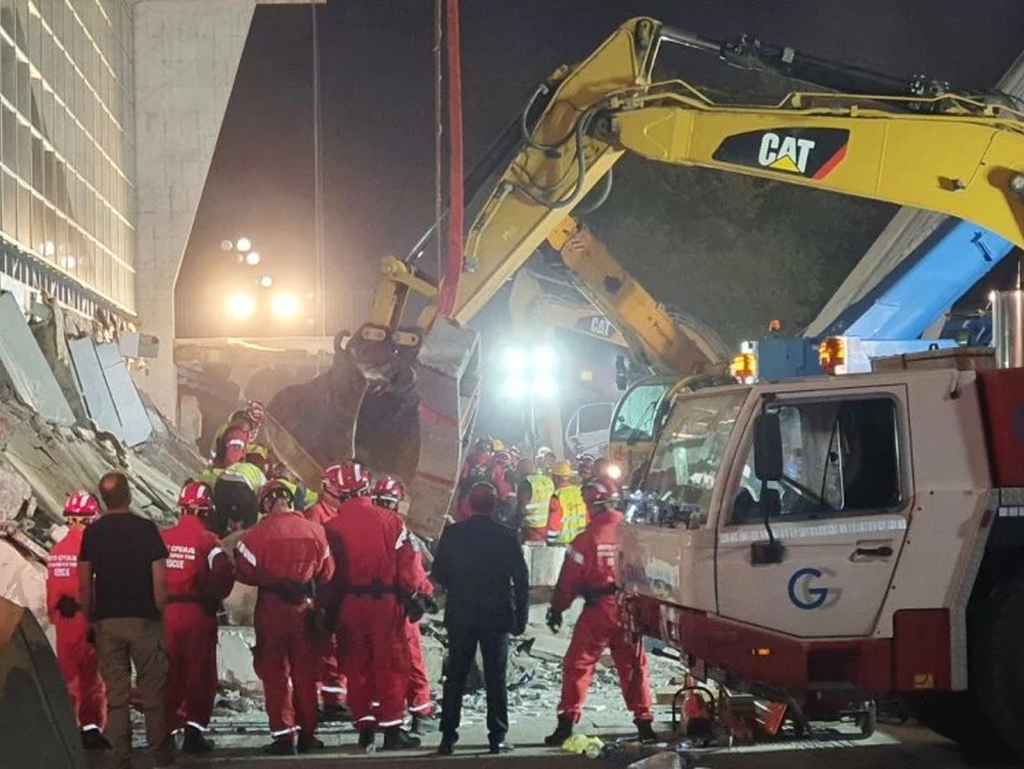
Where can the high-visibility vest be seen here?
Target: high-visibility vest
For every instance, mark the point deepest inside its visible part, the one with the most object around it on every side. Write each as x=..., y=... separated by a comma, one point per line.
x=574, y=514
x=302, y=497
x=541, y=489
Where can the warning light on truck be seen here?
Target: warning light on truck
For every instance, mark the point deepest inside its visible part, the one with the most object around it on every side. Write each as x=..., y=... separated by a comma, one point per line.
x=832, y=355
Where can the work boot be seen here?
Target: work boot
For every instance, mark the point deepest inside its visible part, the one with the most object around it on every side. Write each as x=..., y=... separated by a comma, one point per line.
x=422, y=725
x=93, y=739
x=447, y=746
x=645, y=731
x=281, y=746
x=396, y=739
x=562, y=732
x=366, y=737
x=194, y=742
x=334, y=712
x=308, y=742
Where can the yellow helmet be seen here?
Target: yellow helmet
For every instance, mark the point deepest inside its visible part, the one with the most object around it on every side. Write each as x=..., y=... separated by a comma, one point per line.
x=561, y=469
x=497, y=445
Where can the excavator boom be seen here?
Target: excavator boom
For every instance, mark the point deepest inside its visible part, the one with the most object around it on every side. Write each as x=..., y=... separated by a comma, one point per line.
x=403, y=396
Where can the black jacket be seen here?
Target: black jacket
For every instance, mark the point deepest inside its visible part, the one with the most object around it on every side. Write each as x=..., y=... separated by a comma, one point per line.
x=481, y=567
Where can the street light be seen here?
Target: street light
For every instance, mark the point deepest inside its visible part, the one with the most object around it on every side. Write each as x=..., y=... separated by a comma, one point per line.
x=244, y=245
x=239, y=306
x=284, y=305
x=266, y=281
x=252, y=258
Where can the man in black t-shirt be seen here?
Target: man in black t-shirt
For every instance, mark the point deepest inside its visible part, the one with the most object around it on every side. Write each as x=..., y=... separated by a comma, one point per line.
x=123, y=587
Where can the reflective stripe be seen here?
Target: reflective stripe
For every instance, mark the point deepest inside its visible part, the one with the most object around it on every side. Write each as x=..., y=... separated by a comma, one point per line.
x=283, y=732
x=333, y=689
x=421, y=708
x=574, y=513
x=402, y=538
x=91, y=728
x=576, y=555
x=814, y=530
x=541, y=490
x=195, y=725
x=213, y=554
x=388, y=724
x=245, y=552
x=366, y=718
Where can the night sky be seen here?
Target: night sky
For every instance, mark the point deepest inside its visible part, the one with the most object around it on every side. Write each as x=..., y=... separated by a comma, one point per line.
x=377, y=92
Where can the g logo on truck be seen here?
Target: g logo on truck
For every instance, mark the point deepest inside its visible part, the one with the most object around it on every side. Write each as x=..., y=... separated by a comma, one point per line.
x=803, y=596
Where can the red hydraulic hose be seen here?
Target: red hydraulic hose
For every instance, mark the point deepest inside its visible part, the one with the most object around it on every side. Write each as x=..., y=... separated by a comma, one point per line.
x=453, y=267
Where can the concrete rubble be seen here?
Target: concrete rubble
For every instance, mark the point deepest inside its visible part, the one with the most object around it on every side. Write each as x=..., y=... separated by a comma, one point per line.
x=69, y=412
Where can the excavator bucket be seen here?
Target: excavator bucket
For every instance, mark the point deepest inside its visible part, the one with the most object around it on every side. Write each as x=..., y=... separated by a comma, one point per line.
x=36, y=719
x=412, y=422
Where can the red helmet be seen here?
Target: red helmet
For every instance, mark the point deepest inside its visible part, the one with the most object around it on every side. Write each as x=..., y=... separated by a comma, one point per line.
x=601, y=492
x=255, y=411
x=388, y=491
x=483, y=498
x=503, y=458
x=354, y=478
x=483, y=444
x=271, y=491
x=81, y=504
x=332, y=482
x=585, y=465
x=195, y=497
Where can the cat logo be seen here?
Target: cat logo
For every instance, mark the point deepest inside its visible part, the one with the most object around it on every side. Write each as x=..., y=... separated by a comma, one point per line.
x=809, y=152
x=785, y=153
x=600, y=326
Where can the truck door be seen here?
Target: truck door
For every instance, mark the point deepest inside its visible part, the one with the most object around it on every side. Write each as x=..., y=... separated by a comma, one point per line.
x=845, y=498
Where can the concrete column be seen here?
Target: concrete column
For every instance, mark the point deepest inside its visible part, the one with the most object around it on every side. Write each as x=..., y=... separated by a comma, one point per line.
x=186, y=56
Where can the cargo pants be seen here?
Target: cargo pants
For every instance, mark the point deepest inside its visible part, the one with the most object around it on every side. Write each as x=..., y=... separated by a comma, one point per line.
x=121, y=643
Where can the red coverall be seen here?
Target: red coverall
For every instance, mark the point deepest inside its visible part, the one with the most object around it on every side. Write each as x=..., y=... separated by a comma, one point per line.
x=590, y=568
x=282, y=548
x=372, y=547
x=76, y=656
x=199, y=577
x=332, y=682
x=418, y=695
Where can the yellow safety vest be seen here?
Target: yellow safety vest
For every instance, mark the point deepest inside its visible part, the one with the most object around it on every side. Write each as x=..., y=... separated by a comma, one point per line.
x=541, y=489
x=210, y=475
x=574, y=514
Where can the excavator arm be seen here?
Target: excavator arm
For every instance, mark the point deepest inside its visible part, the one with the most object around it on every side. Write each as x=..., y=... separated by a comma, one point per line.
x=403, y=396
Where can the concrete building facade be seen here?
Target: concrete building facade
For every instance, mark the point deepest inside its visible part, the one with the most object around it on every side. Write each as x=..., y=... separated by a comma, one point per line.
x=109, y=115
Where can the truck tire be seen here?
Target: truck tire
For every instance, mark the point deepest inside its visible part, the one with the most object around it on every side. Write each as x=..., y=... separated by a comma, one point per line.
x=953, y=715
x=996, y=661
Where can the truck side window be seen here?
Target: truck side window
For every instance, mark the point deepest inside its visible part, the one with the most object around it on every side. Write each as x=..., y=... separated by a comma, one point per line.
x=839, y=458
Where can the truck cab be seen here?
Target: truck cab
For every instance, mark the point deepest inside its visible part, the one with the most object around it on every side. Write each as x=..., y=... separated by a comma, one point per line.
x=850, y=567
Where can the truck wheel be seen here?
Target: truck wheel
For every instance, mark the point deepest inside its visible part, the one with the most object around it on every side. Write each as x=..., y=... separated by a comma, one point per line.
x=996, y=659
x=953, y=715
x=868, y=720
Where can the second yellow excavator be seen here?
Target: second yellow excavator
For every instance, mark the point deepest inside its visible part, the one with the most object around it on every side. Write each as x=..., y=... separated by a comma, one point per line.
x=403, y=395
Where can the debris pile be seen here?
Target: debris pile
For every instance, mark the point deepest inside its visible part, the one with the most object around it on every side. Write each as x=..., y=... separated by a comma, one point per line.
x=69, y=412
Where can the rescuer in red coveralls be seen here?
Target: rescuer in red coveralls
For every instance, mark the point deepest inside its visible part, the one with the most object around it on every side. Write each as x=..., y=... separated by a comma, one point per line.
x=589, y=571
x=332, y=682
x=376, y=579
x=287, y=558
x=389, y=492
x=76, y=656
x=199, y=577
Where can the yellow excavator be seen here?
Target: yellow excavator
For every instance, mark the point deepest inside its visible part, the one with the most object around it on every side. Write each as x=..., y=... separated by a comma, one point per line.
x=402, y=395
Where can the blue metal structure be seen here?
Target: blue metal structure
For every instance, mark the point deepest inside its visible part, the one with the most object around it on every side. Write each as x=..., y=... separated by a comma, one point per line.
x=904, y=305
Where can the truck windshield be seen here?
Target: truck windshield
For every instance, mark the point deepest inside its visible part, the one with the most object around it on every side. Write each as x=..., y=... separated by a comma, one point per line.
x=635, y=413
x=678, y=486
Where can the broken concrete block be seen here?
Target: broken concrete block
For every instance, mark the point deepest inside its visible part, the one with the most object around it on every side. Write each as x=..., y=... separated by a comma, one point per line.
x=667, y=760
x=240, y=605
x=23, y=581
x=14, y=490
x=234, y=660
x=543, y=562
x=549, y=647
